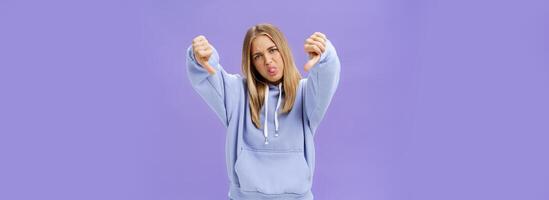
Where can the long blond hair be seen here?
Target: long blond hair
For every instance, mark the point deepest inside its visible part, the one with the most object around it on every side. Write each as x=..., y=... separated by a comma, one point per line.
x=256, y=83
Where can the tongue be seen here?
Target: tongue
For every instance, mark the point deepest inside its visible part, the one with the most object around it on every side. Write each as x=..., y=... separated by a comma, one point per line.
x=271, y=70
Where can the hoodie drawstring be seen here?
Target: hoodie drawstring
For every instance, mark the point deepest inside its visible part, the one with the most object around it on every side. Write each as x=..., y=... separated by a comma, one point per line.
x=266, y=107
x=278, y=106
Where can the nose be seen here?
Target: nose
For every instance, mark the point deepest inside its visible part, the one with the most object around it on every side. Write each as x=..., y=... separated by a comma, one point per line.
x=268, y=60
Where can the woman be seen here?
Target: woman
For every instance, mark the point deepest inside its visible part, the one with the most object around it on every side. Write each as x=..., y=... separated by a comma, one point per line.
x=271, y=113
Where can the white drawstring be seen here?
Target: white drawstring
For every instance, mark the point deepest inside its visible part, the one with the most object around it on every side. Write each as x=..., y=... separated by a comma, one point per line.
x=278, y=106
x=266, y=107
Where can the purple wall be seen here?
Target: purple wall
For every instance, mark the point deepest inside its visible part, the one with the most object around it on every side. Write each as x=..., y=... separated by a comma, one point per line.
x=437, y=99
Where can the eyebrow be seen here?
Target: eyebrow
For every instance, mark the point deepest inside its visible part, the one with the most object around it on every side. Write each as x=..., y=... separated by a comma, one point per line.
x=271, y=47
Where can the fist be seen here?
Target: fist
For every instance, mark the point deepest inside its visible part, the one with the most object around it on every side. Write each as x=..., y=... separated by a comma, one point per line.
x=202, y=52
x=314, y=46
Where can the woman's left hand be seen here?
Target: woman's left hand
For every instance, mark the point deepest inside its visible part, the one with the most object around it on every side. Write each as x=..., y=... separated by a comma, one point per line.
x=314, y=46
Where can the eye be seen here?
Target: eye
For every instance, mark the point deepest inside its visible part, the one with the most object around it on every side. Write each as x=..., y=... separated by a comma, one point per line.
x=273, y=50
x=256, y=57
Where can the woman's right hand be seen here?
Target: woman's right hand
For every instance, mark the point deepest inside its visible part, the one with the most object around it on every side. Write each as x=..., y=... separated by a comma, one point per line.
x=202, y=51
x=315, y=45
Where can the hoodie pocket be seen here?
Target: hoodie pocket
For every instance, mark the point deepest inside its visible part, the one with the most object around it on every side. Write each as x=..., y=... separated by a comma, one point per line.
x=273, y=172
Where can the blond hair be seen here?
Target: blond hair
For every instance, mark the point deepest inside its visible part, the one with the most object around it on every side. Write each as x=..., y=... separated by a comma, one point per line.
x=256, y=83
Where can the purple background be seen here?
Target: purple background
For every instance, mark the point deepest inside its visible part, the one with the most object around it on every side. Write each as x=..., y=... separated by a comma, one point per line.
x=437, y=99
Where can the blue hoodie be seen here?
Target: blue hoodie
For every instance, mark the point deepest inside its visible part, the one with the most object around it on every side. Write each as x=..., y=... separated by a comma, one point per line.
x=277, y=160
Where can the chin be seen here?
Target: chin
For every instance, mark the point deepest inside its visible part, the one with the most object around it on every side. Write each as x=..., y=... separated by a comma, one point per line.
x=275, y=81
x=278, y=79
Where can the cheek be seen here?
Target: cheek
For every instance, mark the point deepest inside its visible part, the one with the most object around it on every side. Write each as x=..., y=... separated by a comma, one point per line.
x=278, y=58
x=259, y=68
x=280, y=62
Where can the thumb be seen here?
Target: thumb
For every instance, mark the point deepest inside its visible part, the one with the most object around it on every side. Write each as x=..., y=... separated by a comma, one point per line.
x=312, y=61
x=209, y=68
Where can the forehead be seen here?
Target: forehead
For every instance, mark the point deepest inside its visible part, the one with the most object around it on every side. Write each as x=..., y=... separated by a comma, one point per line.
x=261, y=43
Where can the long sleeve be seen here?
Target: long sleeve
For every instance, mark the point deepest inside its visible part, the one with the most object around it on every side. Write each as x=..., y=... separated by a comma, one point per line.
x=221, y=90
x=322, y=83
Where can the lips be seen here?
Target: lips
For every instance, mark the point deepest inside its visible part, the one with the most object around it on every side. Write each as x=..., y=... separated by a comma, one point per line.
x=272, y=71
